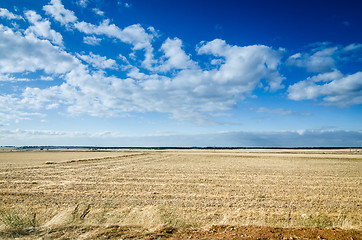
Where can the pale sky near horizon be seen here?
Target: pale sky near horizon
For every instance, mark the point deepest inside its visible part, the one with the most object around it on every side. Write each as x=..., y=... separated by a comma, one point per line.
x=181, y=73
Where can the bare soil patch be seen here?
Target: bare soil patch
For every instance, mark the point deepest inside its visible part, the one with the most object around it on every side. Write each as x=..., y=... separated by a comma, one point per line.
x=214, y=232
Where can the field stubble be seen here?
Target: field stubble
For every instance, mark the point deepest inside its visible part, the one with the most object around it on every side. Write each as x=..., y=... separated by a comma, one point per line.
x=182, y=188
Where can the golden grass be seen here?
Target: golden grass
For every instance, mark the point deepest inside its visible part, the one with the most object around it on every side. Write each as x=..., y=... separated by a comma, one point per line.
x=185, y=188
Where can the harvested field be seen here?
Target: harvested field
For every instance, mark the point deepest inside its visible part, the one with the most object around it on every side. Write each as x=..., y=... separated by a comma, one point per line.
x=56, y=194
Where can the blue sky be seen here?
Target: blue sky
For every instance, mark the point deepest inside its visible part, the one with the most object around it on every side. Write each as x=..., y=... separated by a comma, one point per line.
x=181, y=73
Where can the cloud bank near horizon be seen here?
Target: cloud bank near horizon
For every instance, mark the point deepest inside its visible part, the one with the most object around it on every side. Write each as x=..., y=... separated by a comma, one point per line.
x=301, y=138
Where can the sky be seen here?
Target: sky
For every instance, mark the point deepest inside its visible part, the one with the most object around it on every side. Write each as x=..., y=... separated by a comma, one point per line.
x=181, y=73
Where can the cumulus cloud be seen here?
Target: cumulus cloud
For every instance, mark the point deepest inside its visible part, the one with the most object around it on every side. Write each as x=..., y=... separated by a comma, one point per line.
x=245, y=66
x=11, y=78
x=92, y=40
x=82, y=3
x=98, y=11
x=98, y=61
x=194, y=93
x=59, y=13
x=319, y=61
x=11, y=109
x=176, y=57
x=4, y=13
x=191, y=93
x=134, y=34
x=20, y=53
x=325, y=57
x=41, y=28
x=332, y=88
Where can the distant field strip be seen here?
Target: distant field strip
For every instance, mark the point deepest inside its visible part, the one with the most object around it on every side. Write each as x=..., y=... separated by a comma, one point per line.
x=189, y=188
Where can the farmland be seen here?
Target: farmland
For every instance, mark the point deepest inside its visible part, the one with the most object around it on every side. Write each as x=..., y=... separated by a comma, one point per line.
x=79, y=193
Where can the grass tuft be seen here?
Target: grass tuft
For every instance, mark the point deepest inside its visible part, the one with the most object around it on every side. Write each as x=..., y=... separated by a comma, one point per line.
x=17, y=221
x=318, y=220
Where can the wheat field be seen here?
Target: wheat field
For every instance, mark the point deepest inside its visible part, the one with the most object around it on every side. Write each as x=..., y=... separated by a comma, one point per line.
x=182, y=188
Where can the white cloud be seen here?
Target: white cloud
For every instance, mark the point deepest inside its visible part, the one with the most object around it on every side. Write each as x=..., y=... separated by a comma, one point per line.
x=10, y=78
x=98, y=61
x=123, y=58
x=52, y=106
x=319, y=61
x=153, y=31
x=134, y=34
x=92, y=40
x=83, y=3
x=36, y=133
x=176, y=57
x=11, y=109
x=98, y=12
x=136, y=74
x=192, y=94
x=294, y=138
x=46, y=78
x=20, y=53
x=245, y=66
x=125, y=4
x=279, y=111
x=59, y=13
x=326, y=77
x=330, y=88
x=4, y=13
x=325, y=57
x=41, y=28
x=353, y=47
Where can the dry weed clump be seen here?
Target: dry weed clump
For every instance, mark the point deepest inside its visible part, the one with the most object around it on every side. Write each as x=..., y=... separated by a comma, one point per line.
x=182, y=189
x=18, y=221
